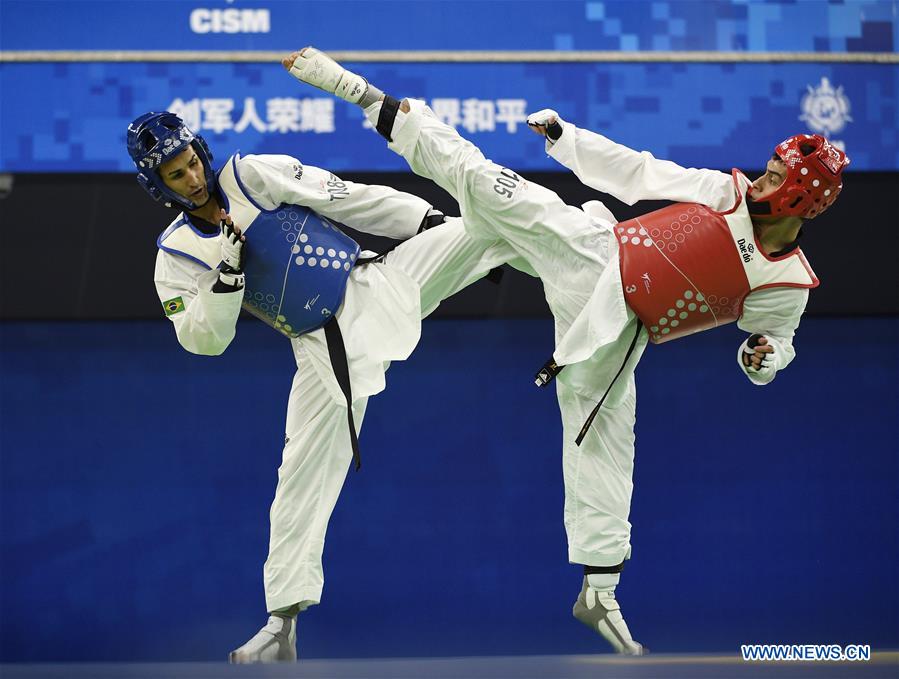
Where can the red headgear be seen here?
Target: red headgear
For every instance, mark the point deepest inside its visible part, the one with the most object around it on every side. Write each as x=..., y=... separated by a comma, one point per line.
x=813, y=178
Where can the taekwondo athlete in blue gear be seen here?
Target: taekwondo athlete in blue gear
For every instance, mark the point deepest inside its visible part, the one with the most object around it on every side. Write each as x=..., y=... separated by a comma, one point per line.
x=262, y=217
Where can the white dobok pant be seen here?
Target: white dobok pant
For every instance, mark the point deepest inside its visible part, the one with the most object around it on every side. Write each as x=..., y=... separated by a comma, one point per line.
x=317, y=452
x=569, y=253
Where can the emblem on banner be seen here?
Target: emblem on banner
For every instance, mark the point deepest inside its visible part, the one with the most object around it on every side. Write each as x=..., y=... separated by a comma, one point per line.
x=825, y=109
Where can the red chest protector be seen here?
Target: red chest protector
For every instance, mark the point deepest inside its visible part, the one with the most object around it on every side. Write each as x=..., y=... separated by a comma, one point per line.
x=686, y=268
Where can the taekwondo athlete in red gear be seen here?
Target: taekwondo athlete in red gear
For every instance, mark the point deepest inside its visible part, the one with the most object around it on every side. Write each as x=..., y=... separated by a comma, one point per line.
x=207, y=269
x=726, y=251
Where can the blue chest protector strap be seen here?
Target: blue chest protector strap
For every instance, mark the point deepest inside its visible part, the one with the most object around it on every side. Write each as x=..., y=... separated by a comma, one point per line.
x=337, y=354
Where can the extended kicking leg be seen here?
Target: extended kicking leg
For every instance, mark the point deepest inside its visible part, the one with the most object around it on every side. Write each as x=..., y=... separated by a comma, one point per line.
x=558, y=242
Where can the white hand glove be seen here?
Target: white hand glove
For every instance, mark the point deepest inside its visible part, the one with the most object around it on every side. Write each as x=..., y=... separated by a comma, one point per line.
x=553, y=130
x=232, y=245
x=542, y=117
x=232, y=240
x=765, y=372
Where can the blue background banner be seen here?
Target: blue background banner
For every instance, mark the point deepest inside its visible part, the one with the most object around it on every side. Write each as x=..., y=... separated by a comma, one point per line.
x=751, y=25
x=707, y=115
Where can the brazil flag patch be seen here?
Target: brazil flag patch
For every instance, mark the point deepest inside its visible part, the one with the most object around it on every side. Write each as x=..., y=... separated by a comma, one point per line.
x=173, y=306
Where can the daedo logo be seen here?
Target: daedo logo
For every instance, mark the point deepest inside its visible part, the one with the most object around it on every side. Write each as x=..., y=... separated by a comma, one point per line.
x=230, y=21
x=747, y=250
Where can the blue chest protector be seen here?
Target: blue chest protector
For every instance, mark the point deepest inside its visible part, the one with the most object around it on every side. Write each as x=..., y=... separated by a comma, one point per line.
x=297, y=266
x=297, y=262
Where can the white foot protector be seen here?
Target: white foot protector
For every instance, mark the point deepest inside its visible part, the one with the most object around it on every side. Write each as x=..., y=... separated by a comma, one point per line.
x=599, y=610
x=321, y=71
x=276, y=642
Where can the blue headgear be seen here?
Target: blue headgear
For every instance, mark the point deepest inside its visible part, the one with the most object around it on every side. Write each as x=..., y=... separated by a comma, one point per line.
x=154, y=138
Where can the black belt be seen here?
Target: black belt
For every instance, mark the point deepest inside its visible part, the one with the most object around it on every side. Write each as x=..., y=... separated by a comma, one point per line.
x=550, y=369
x=341, y=368
x=337, y=354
